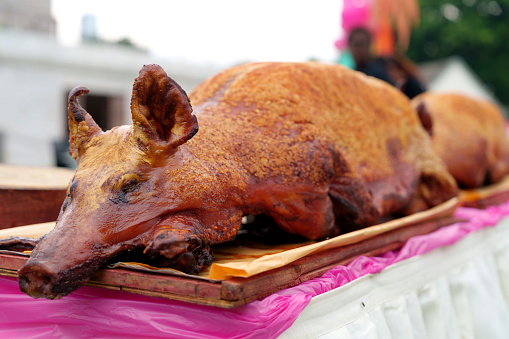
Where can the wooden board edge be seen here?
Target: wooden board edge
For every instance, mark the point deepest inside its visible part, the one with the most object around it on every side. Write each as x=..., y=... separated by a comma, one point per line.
x=190, y=299
x=166, y=295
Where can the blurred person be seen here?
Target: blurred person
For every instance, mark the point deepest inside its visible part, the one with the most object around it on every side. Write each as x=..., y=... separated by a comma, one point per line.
x=402, y=78
x=359, y=42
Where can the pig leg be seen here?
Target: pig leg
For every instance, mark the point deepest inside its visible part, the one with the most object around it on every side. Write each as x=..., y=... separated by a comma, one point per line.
x=353, y=204
x=18, y=244
x=183, y=240
x=433, y=189
x=303, y=209
x=178, y=247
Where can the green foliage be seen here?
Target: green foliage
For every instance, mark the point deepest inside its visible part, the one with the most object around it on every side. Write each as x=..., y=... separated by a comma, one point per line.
x=477, y=30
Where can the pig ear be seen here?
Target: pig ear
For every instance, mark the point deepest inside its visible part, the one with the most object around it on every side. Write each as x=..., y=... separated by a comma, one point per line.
x=81, y=124
x=425, y=117
x=161, y=108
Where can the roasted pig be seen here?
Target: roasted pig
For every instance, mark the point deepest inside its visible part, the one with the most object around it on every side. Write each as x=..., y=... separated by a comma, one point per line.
x=319, y=148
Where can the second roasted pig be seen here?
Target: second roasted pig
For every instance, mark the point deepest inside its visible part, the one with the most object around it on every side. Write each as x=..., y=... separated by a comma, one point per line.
x=468, y=134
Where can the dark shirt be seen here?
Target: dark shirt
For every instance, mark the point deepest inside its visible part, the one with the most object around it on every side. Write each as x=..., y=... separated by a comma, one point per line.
x=375, y=68
x=412, y=87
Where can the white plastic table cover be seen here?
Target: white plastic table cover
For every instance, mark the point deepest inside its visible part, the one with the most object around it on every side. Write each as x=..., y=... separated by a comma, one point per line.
x=458, y=291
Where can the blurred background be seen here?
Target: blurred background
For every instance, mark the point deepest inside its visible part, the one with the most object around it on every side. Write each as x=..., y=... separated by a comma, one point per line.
x=47, y=47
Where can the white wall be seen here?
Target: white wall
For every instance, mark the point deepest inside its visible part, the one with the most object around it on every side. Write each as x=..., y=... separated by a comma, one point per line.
x=29, y=114
x=36, y=74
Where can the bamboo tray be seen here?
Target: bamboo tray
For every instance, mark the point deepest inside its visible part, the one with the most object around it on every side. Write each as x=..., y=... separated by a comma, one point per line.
x=235, y=291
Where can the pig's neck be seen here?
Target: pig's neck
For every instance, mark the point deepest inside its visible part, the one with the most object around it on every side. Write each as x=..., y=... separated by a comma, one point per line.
x=208, y=179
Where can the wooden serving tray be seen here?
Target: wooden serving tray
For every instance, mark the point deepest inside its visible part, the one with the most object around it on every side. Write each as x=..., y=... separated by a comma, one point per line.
x=234, y=292
x=229, y=292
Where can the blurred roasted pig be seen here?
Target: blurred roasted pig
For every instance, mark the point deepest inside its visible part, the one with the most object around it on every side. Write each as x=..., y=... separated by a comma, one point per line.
x=468, y=134
x=318, y=148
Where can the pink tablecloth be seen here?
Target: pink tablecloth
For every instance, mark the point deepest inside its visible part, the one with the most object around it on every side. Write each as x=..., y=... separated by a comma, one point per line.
x=99, y=313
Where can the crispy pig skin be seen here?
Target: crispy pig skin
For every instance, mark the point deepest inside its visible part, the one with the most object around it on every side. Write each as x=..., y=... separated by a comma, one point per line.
x=469, y=135
x=320, y=129
x=319, y=148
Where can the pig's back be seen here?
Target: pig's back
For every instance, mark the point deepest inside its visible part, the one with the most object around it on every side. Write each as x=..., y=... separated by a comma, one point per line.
x=277, y=116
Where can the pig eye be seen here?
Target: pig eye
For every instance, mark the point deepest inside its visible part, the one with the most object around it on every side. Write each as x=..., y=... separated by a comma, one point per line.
x=66, y=202
x=72, y=188
x=127, y=183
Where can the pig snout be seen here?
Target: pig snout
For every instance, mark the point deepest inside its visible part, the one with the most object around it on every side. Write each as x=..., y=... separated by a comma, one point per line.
x=37, y=281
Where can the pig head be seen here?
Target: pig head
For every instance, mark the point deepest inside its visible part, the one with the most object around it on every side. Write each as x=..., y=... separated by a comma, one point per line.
x=125, y=192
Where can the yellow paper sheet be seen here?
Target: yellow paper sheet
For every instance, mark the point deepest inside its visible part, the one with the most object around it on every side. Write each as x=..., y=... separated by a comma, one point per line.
x=477, y=194
x=249, y=267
